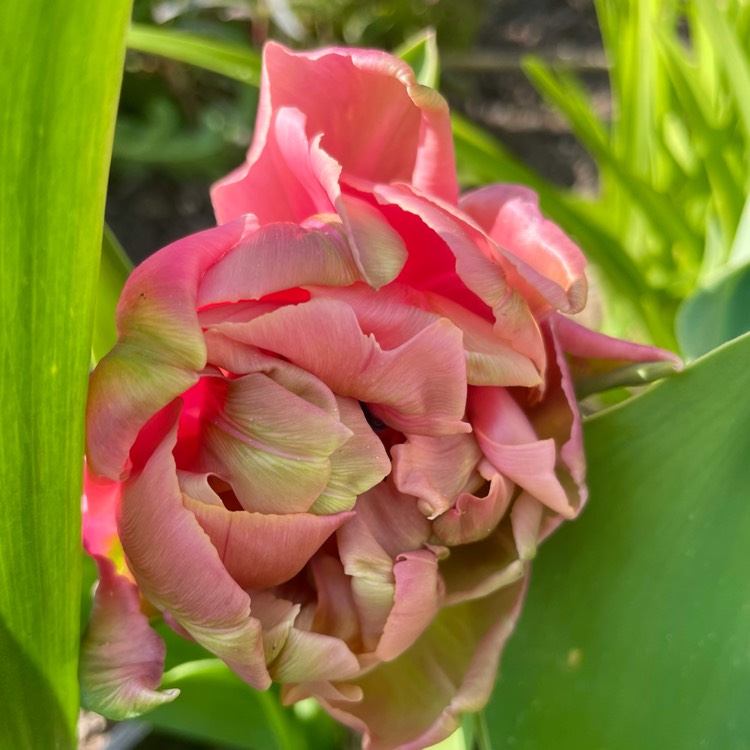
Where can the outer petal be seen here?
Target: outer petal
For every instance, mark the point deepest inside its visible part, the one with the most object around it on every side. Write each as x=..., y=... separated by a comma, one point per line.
x=160, y=348
x=122, y=658
x=178, y=568
x=547, y=262
x=376, y=121
x=450, y=670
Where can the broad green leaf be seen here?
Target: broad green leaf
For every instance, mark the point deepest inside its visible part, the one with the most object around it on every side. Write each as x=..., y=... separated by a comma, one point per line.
x=228, y=58
x=421, y=52
x=114, y=269
x=714, y=314
x=217, y=706
x=636, y=632
x=60, y=72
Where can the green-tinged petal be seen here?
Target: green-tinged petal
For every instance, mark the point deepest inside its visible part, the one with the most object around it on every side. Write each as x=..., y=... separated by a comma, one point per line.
x=359, y=464
x=178, y=568
x=419, y=387
x=160, y=349
x=271, y=445
x=278, y=257
x=122, y=658
x=417, y=700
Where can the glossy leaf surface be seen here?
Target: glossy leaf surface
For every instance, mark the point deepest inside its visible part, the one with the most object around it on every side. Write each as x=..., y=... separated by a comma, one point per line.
x=636, y=633
x=60, y=72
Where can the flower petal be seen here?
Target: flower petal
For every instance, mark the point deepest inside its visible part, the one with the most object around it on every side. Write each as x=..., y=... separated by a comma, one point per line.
x=450, y=670
x=419, y=386
x=435, y=469
x=417, y=596
x=509, y=442
x=474, y=518
x=100, y=499
x=543, y=256
x=178, y=568
x=262, y=550
x=359, y=464
x=270, y=444
x=476, y=264
x=278, y=257
x=377, y=122
x=122, y=658
x=160, y=348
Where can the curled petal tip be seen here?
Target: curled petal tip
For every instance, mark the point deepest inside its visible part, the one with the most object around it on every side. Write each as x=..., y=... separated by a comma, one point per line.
x=122, y=658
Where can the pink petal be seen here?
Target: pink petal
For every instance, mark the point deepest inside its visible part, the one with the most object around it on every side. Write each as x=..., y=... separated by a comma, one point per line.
x=417, y=700
x=178, y=568
x=160, y=347
x=376, y=121
x=379, y=250
x=122, y=658
x=477, y=266
x=420, y=386
x=474, y=518
x=270, y=444
x=335, y=613
x=100, y=499
x=543, y=256
x=291, y=179
x=435, y=470
x=416, y=598
x=397, y=313
x=279, y=257
x=578, y=341
x=509, y=442
x=526, y=519
x=263, y=550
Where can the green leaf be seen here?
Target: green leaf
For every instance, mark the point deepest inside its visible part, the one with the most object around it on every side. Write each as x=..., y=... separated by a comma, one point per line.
x=228, y=58
x=421, y=52
x=216, y=706
x=60, y=72
x=636, y=632
x=714, y=314
x=114, y=269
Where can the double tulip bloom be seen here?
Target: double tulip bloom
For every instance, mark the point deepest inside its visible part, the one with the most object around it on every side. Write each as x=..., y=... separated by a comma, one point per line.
x=335, y=427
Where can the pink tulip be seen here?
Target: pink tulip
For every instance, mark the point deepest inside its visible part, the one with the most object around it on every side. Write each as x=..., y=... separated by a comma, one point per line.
x=335, y=428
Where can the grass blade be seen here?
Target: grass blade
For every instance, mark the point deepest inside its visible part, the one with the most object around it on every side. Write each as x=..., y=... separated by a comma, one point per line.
x=60, y=72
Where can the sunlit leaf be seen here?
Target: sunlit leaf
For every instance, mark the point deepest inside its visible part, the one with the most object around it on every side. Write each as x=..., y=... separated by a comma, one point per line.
x=421, y=52
x=636, y=633
x=59, y=81
x=228, y=58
